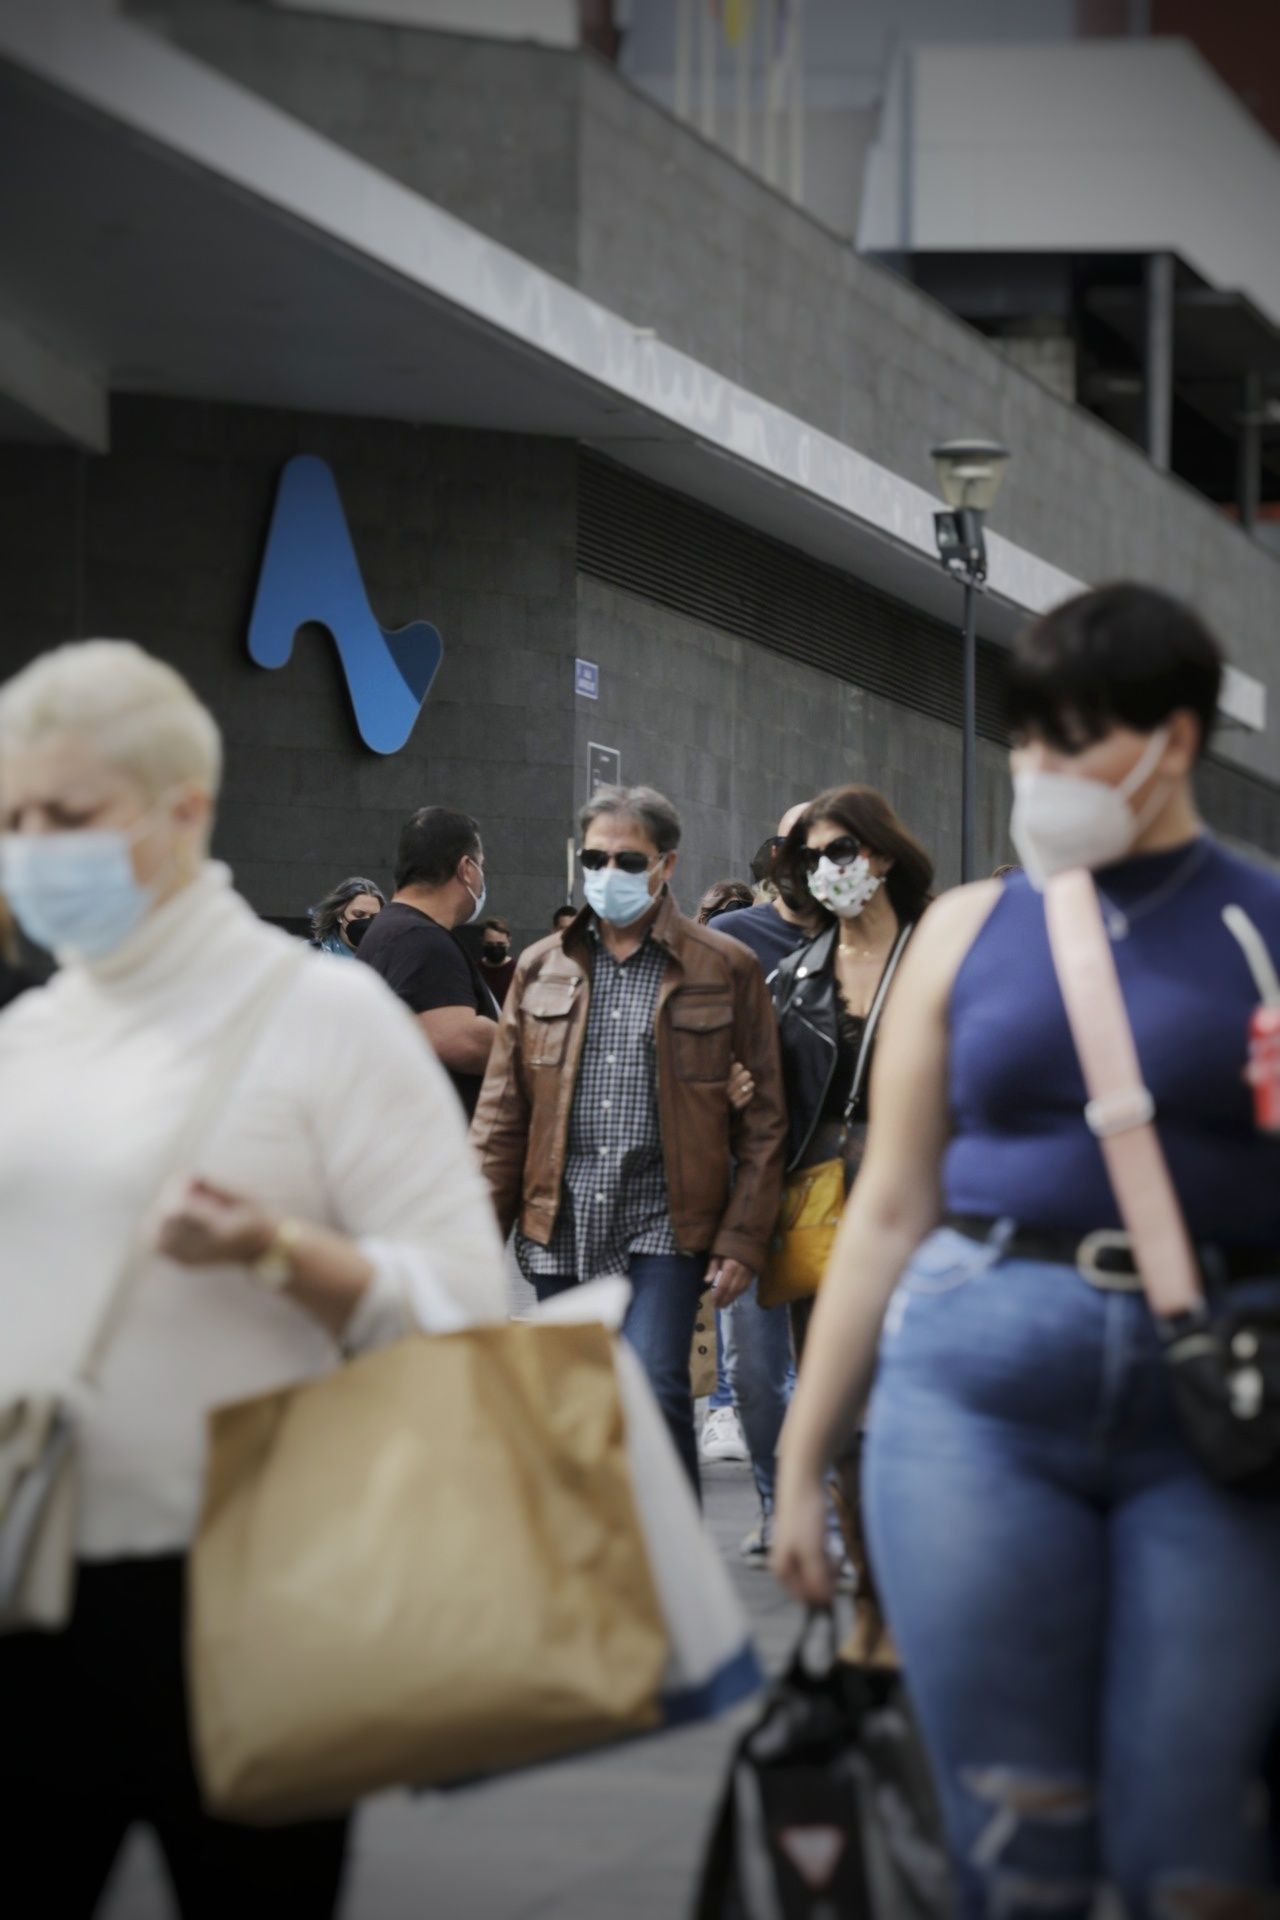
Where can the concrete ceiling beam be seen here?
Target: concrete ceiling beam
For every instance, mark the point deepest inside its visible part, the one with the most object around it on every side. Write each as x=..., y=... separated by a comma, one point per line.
x=45, y=394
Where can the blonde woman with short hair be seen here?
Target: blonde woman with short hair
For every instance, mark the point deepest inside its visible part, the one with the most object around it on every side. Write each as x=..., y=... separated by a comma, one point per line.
x=332, y=1206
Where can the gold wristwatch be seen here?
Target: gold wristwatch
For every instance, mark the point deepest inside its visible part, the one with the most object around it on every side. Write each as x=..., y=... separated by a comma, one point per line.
x=273, y=1268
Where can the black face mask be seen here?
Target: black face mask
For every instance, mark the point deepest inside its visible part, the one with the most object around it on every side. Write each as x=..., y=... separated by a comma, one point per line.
x=493, y=956
x=355, y=931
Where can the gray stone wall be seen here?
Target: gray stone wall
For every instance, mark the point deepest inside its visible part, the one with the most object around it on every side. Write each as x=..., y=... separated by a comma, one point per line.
x=161, y=540
x=735, y=735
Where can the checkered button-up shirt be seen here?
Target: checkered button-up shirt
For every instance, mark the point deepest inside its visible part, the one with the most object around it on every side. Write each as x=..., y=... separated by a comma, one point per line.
x=613, y=1201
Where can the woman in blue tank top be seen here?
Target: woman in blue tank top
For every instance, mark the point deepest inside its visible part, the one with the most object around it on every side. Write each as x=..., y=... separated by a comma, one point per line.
x=1090, y=1627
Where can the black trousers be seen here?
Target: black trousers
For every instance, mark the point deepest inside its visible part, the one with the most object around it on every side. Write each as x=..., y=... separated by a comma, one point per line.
x=94, y=1737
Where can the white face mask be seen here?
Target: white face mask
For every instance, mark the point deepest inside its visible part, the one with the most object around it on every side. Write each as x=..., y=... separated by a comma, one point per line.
x=845, y=890
x=1063, y=820
x=478, y=899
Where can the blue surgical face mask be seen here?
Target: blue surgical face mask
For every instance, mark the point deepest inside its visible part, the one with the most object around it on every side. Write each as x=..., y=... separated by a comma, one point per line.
x=74, y=893
x=618, y=897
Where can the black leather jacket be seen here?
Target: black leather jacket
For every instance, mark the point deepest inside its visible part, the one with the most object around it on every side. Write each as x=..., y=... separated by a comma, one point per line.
x=806, y=1001
x=804, y=998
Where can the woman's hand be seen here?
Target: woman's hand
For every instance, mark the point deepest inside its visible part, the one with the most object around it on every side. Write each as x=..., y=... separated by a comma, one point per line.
x=799, y=1559
x=205, y=1226
x=742, y=1088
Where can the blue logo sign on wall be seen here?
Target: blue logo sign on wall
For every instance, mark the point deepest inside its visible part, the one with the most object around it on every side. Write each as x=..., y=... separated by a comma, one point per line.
x=310, y=573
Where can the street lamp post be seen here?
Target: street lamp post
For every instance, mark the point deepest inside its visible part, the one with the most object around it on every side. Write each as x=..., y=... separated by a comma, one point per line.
x=969, y=476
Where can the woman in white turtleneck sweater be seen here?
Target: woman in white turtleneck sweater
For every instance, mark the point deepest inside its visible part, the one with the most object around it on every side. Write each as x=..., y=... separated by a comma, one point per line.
x=333, y=1206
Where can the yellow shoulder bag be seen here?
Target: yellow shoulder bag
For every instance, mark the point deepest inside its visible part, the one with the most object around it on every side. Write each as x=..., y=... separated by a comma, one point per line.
x=813, y=1197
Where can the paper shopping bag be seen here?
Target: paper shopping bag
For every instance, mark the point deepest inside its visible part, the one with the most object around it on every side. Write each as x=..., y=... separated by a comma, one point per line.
x=711, y=1664
x=427, y=1565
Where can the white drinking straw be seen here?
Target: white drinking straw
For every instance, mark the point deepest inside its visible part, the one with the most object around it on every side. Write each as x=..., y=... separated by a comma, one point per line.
x=1261, y=965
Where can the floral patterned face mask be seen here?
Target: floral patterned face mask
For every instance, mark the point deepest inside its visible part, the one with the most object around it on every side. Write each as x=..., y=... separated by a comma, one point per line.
x=844, y=890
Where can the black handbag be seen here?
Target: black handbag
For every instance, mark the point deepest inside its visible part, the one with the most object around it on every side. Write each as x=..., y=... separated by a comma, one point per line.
x=828, y=1812
x=1224, y=1371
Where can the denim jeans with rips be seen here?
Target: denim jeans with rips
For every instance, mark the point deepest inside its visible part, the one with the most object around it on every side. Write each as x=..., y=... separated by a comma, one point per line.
x=1087, y=1623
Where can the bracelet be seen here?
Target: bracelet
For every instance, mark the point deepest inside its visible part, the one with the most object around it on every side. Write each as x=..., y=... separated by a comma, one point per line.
x=273, y=1268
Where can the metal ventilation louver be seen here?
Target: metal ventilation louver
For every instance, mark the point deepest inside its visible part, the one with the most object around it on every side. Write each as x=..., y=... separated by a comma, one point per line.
x=666, y=548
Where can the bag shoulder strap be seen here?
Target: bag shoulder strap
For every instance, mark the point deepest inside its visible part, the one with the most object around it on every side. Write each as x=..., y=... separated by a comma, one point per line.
x=234, y=1045
x=873, y=1018
x=1120, y=1109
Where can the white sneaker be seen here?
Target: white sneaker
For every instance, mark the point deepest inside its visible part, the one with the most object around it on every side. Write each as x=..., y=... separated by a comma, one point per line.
x=722, y=1436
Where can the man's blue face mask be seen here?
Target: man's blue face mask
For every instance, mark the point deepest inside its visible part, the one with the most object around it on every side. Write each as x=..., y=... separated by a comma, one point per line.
x=618, y=897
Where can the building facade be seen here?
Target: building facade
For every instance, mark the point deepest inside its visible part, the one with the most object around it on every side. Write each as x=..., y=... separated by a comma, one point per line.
x=590, y=393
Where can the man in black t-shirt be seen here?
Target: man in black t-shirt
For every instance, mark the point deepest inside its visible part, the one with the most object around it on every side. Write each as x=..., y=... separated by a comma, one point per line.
x=411, y=943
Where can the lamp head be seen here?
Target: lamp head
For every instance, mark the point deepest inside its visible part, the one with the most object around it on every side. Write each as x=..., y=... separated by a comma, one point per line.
x=970, y=472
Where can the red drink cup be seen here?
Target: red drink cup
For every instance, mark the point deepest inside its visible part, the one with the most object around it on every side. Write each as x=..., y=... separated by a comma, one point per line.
x=1264, y=1067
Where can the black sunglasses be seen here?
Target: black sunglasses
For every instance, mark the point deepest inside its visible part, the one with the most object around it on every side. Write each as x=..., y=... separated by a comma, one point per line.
x=594, y=858
x=841, y=853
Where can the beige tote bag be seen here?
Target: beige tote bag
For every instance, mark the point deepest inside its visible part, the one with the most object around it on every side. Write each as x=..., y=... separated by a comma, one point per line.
x=424, y=1566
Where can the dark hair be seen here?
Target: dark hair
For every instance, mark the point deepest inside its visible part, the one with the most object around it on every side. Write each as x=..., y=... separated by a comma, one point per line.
x=764, y=859
x=560, y=912
x=872, y=822
x=432, y=842
x=495, y=926
x=723, y=897
x=326, y=913
x=650, y=810
x=1120, y=655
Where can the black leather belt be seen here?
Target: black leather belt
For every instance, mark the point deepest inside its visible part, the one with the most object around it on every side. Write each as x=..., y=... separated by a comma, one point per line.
x=1105, y=1257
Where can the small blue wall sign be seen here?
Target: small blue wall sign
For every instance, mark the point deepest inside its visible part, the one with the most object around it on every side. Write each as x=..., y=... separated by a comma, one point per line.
x=586, y=679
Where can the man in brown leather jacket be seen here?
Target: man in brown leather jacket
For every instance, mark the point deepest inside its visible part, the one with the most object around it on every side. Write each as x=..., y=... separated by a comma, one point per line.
x=605, y=1127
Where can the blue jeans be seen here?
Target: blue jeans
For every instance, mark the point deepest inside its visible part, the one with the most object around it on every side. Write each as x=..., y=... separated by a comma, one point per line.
x=665, y=1289
x=757, y=1350
x=723, y=1395
x=1088, y=1625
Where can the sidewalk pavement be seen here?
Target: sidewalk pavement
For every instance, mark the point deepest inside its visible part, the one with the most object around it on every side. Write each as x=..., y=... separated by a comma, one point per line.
x=615, y=1836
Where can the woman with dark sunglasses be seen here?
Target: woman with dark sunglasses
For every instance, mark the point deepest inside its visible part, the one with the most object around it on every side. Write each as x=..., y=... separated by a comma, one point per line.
x=872, y=880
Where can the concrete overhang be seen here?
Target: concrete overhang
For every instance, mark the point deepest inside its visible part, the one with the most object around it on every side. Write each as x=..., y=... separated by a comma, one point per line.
x=183, y=237
x=46, y=396
x=1085, y=146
